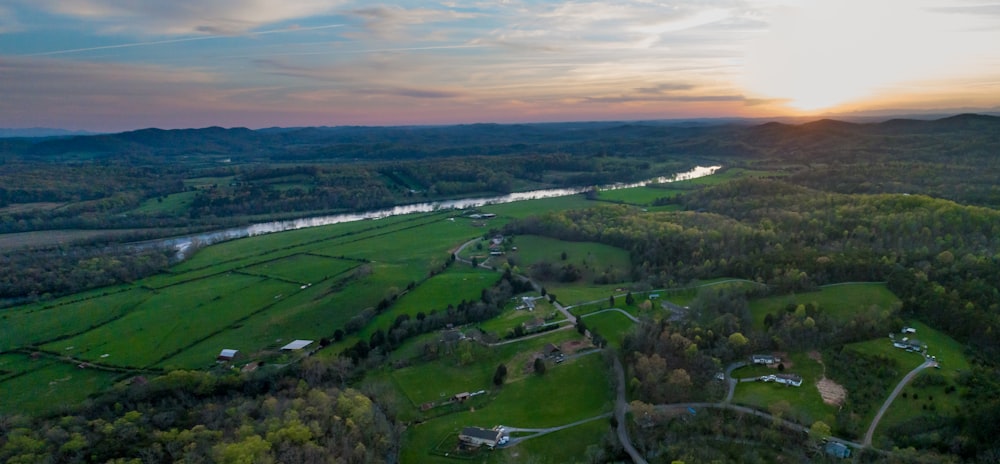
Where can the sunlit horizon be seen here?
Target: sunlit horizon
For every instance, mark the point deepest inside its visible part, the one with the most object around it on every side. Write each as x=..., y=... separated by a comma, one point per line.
x=101, y=65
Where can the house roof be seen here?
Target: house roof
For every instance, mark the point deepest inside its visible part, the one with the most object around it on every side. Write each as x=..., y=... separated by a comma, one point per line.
x=481, y=433
x=228, y=353
x=550, y=348
x=839, y=450
x=297, y=345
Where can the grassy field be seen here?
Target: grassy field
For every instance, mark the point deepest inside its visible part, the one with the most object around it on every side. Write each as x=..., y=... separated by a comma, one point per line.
x=807, y=405
x=45, y=385
x=527, y=403
x=612, y=325
x=252, y=294
x=173, y=204
x=302, y=268
x=840, y=301
x=641, y=196
x=927, y=393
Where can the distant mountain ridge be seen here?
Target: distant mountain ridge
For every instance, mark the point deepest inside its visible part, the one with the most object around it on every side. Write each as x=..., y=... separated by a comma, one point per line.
x=34, y=132
x=400, y=142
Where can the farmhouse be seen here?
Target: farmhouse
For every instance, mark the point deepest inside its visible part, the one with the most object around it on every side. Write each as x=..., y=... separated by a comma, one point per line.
x=789, y=379
x=908, y=344
x=461, y=397
x=533, y=324
x=908, y=330
x=227, y=355
x=784, y=379
x=476, y=436
x=296, y=345
x=764, y=359
x=551, y=350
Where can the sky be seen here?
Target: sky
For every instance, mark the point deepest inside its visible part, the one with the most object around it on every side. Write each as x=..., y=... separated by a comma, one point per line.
x=115, y=65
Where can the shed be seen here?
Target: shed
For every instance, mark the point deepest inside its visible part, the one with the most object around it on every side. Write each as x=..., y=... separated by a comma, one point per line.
x=227, y=355
x=296, y=345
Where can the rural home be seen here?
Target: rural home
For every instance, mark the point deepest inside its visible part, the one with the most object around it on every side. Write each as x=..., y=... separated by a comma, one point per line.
x=551, y=350
x=476, y=436
x=764, y=359
x=227, y=355
x=784, y=379
x=908, y=330
x=460, y=397
x=908, y=344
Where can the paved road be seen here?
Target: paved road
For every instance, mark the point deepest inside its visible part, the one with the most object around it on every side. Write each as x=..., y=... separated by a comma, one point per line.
x=731, y=381
x=745, y=410
x=543, y=431
x=621, y=406
x=888, y=401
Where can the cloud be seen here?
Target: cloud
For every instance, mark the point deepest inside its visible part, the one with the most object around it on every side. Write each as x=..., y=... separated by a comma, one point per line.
x=8, y=21
x=179, y=17
x=393, y=21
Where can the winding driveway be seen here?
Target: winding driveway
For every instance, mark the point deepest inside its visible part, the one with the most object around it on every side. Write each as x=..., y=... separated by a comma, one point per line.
x=888, y=401
x=621, y=406
x=626, y=313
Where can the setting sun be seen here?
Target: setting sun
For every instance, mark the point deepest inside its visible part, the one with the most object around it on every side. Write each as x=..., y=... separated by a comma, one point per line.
x=828, y=55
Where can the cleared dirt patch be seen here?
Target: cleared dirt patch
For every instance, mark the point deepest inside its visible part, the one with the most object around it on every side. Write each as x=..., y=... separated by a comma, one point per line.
x=832, y=392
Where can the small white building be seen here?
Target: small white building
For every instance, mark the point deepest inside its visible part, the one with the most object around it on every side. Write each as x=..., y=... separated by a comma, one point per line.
x=227, y=355
x=296, y=345
x=476, y=436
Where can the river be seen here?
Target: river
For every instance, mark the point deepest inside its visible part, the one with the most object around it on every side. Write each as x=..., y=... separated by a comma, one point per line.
x=185, y=243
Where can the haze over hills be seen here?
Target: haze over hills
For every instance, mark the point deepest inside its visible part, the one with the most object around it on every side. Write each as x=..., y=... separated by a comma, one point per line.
x=347, y=142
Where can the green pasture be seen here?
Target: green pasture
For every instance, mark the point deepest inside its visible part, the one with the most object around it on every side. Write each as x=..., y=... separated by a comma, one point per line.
x=568, y=445
x=170, y=320
x=38, y=324
x=807, y=404
x=302, y=268
x=840, y=301
x=582, y=292
x=175, y=203
x=612, y=325
x=575, y=390
x=510, y=317
x=48, y=385
x=950, y=355
x=641, y=196
x=522, y=209
x=200, y=182
x=318, y=237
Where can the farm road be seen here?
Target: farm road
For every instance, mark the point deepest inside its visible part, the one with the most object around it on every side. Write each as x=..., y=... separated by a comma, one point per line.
x=543, y=431
x=626, y=313
x=888, y=401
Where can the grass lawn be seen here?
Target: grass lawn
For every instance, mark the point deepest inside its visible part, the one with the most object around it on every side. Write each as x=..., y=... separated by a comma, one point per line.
x=612, y=325
x=50, y=385
x=642, y=196
x=174, y=203
x=35, y=325
x=302, y=268
x=840, y=301
x=172, y=319
x=571, y=391
x=807, y=405
x=931, y=397
x=581, y=292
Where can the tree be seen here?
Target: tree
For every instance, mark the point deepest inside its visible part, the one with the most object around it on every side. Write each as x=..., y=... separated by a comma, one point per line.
x=539, y=366
x=819, y=431
x=611, y=301
x=500, y=375
x=629, y=299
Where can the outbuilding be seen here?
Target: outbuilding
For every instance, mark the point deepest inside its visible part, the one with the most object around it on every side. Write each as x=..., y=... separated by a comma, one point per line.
x=476, y=436
x=227, y=355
